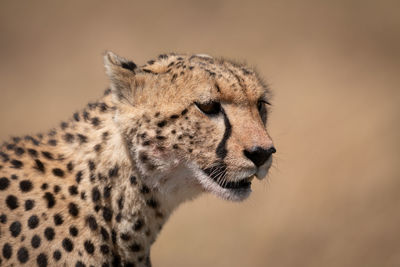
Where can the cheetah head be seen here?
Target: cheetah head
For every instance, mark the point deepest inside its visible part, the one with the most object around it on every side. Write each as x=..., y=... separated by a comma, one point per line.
x=193, y=122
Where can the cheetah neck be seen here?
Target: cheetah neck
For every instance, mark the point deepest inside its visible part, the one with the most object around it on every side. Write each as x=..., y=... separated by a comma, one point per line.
x=108, y=181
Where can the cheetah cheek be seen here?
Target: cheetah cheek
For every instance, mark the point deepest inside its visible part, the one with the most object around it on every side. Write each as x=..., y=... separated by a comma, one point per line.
x=263, y=169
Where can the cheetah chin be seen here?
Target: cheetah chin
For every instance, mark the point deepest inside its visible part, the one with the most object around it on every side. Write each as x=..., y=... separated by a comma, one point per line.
x=238, y=190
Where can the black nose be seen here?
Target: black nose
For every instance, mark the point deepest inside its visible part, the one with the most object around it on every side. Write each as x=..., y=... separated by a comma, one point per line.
x=259, y=155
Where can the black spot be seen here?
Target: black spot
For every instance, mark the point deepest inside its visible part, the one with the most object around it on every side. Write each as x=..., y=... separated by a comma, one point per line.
x=103, y=107
x=56, y=189
x=146, y=143
x=82, y=138
x=47, y=155
x=80, y=264
x=107, y=214
x=52, y=142
x=174, y=116
x=58, y=219
x=78, y=177
x=7, y=251
x=97, y=147
x=15, y=228
x=97, y=208
x=67, y=244
x=163, y=56
x=113, y=236
x=4, y=156
x=83, y=195
x=19, y=151
x=70, y=166
x=69, y=138
x=51, y=201
x=25, y=185
x=73, y=209
x=162, y=123
x=29, y=204
x=16, y=164
x=14, y=177
x=91, y=165
x=144, y=189
x=129, y=65
x=130, y=264
x=10, y=146
x=221, y=150
x=152, y=203
x=104, y=234
x=118, y=217
x=143, y=156
x=49, y=233
x=57, y=255
x=184, y=112
x=23, y=255
x=135, y=247
x=174, y=77
x=44, y=186
x=73, y=231
x=95, y=194
x=58, y=172
x=107, y=191
x=125, y=236
x=175, y=146
x=33, y=221
x=35, y=241
x=85, y=115
x=64, y=125
x=41, y=260
x=76, y=116
x=133, y=180
x=105, y=136
x=150, y=62
x=121, y=202
x=3, y=218
x=12, y=202
x=89, y=247
x=39, y=166
x=116, y=260
x=107, y=91
x=138, y=225
x=113, y=172
x=33, y=152
x=4, y=183
x=73, y=190
x=104, y=249
x=160, y=137
x=91, y=221
x=33, y=140
x=95, y=121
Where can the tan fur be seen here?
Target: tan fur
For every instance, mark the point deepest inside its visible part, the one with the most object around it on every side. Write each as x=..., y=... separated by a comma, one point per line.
x=144, y=147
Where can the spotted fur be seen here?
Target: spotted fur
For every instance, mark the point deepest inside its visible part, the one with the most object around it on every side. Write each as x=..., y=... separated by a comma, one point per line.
x=97, y=190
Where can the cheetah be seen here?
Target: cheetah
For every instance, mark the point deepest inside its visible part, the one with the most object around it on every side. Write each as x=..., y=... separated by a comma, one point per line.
x=97, y=189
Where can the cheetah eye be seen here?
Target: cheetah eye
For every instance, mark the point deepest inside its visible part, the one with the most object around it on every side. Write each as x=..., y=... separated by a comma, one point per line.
x=262, y=110
x=210, y=108
x=261, y=104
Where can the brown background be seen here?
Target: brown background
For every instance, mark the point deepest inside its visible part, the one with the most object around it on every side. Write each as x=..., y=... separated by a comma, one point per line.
x=332, y=198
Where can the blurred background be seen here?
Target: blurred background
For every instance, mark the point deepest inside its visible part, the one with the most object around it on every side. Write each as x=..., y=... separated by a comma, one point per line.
x=333, y=195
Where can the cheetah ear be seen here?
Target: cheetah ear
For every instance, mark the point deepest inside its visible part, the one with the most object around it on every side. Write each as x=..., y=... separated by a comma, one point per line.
x=121, y=73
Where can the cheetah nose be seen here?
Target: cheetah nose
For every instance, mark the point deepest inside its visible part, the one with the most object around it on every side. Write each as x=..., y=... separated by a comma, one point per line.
x=259, y=155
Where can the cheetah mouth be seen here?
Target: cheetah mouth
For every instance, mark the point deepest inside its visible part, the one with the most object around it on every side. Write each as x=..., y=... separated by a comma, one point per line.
x=217, y=174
